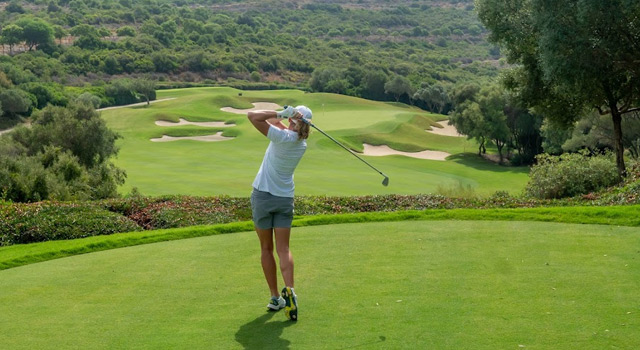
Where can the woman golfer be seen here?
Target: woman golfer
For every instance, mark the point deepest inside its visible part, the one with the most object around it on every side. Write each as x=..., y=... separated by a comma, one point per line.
x=272, y=197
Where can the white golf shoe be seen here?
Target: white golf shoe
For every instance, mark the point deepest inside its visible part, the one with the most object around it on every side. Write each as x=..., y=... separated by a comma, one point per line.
x=276, y=304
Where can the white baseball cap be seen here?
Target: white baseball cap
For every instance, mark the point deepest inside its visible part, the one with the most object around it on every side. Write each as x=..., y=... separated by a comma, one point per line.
x=305, y=111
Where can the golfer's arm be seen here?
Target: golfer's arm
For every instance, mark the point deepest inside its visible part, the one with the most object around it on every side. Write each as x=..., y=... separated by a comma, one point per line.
x=276, y=122
x=259, y=120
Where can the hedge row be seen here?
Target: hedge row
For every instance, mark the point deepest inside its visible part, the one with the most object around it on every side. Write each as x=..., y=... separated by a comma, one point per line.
x=152, y=213
x=43, y=221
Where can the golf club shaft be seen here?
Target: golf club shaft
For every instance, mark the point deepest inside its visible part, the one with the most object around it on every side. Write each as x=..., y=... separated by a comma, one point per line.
x=348, y=150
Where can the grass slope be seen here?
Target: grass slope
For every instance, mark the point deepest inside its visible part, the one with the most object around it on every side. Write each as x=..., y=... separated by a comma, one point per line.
x=400, y=285
x=228, y=167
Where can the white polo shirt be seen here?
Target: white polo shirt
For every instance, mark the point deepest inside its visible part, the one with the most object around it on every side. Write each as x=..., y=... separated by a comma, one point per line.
x=280, y=160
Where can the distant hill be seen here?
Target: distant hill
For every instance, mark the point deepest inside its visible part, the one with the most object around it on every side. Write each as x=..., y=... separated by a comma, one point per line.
x=348, y=47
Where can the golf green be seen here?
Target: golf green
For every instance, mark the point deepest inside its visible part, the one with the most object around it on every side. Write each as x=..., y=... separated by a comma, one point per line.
x=228, y=167
x=396, y=285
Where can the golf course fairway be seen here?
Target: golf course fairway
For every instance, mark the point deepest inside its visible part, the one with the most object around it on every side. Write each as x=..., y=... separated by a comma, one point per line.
x=227, y=167
x=388, y=285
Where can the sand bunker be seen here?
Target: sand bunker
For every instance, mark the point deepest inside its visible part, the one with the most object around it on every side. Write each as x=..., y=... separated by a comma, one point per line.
x=384, y=150
x=208, y=138
x=186, y=122
x=258, y=106
x=446, y=130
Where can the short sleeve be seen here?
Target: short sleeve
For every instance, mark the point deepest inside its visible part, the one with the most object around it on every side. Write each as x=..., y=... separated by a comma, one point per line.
x=277, y=135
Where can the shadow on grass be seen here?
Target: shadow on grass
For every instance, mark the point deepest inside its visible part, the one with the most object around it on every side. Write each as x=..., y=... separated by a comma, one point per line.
x=474, y=161
x=261, y=334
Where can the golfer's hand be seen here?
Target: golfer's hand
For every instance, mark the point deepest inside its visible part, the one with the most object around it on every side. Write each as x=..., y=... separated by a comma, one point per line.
x=287, y=112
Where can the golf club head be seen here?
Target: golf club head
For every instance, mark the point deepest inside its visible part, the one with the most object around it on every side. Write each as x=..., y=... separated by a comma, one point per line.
x=385, y=182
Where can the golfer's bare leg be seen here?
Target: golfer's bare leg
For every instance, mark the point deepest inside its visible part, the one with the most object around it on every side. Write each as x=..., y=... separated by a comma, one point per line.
x=284, y=254
x=268, y=260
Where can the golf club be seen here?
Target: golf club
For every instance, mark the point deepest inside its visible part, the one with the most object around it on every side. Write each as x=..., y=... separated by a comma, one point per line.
x=385, y=182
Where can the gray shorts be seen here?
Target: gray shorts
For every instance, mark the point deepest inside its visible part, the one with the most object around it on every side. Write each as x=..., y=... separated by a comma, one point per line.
x=271, y=211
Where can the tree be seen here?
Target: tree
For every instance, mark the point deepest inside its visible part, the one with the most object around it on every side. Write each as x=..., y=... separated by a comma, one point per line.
x=372, y=84
x=11, y=34
x=575, y=55
x=126, y=31
x=164, y=62
x=463, y=93
x=126, y=91
x=14, y=6
x=524, y=129
x=84, y=30
x=46, y=93
x=340, y=86
x=468, y=120
x=35, y=32
x=492, y=104
x=77, y=128
x=483, y=118
x=88, y=37
x=59, y=32
x=434, y=96
x=121, y=91
x=594, y=133
x=398, y=86
x=64, y=155
x=145, y=88
x=553, y=137
x=88, y=98
x=329, y=80
x=16, y=102
x=52, y=7
x=5, y=82
x=111, y=66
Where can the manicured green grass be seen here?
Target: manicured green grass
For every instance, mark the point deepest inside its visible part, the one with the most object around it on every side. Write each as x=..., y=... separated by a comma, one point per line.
x=229, y=167
x=396, y=285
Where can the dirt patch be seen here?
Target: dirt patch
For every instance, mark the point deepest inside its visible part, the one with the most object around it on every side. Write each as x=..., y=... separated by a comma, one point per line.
x=208, y=138
x=384, y=150
x=186, y=122
x=257, y=106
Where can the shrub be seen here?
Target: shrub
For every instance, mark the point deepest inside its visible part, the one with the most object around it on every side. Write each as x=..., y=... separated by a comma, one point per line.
x=126, y=31
x=627, y=193
x=570, y=175
x=64, y=155
x=180, y=211
x=122, y=92
x=45, y=221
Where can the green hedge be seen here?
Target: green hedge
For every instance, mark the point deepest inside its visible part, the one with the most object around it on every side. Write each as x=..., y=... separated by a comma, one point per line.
x=45, y=221
x=180, y=211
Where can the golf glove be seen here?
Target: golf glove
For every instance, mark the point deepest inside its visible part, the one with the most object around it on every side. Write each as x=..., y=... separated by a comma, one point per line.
x=288, y=112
